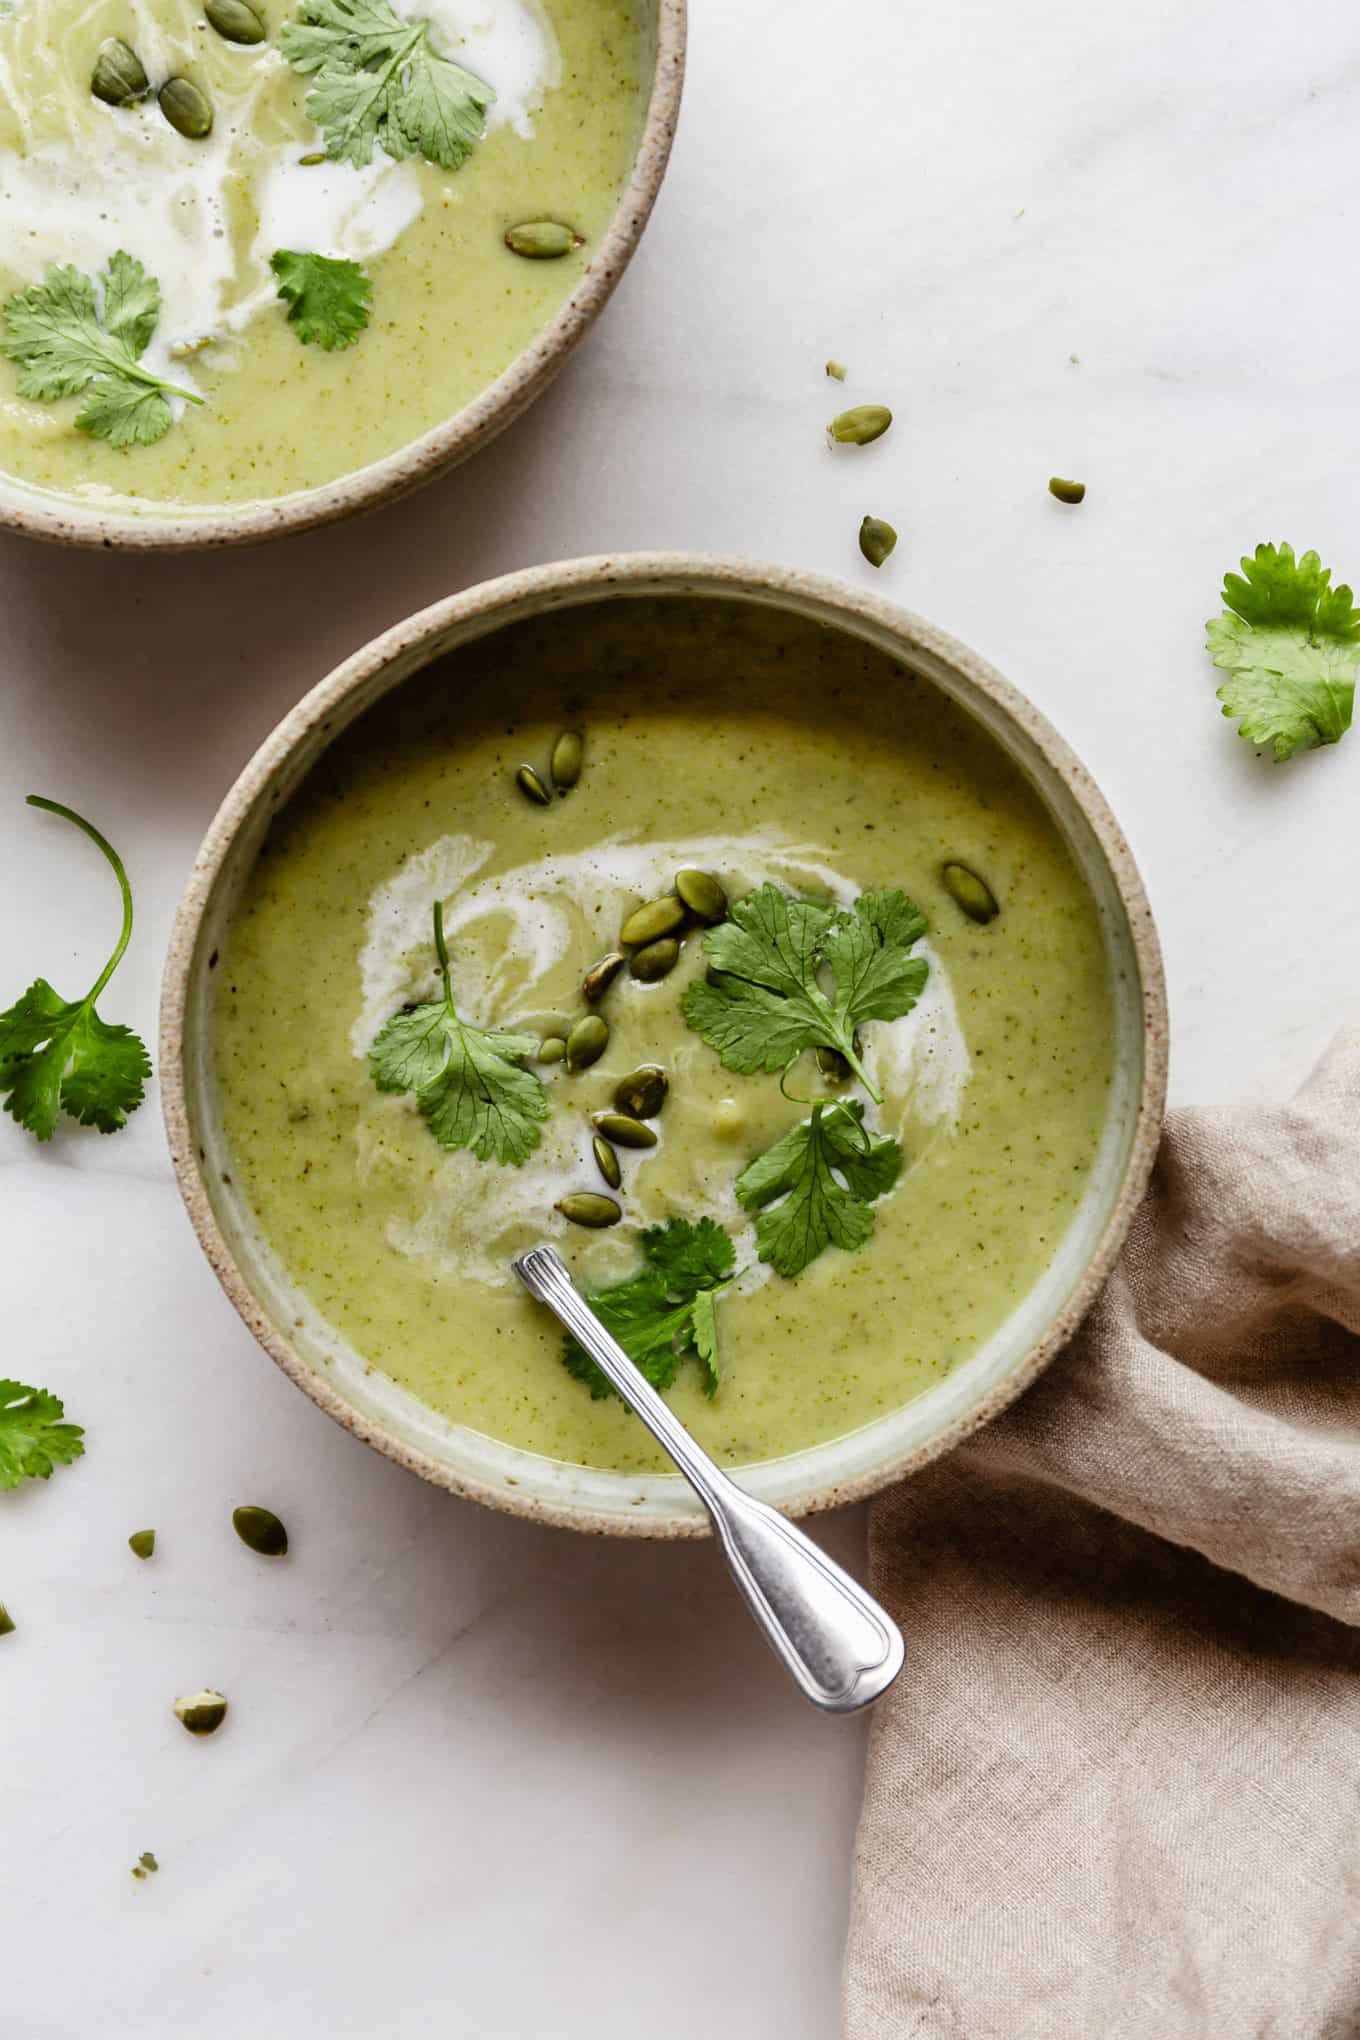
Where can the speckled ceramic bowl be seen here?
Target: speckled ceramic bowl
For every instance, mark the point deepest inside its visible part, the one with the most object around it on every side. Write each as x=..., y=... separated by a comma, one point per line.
x=40, y=513
x=467, y=1462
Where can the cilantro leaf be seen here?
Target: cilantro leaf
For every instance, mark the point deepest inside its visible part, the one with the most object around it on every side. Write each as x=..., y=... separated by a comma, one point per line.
x=381, y=83
x=53, y=331
x=468, y=1081
x=667, y=1310
x=33, y=1438
x=327, y=299
x=762, y=1003
x=1292, y=644
x=825, y=1172
x=58, y=1054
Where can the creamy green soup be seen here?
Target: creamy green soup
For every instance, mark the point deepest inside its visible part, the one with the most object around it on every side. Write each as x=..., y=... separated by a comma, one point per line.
x=451, y=305
x=763, y=749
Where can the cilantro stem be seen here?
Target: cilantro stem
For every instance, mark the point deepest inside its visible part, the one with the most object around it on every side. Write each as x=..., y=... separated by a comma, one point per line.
x=54, y=807
x=848, y=1051
x=441, y=949
x=120, y=363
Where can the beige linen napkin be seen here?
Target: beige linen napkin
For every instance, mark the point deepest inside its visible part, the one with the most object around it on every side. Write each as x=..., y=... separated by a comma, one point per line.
x=1115, y=1794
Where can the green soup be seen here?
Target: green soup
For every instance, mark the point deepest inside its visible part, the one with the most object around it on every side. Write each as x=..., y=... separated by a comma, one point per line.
x=764, y=749
x=451, y=305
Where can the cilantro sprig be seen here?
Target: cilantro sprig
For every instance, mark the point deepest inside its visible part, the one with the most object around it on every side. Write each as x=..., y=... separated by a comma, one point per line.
x=57, y=1054
x=55, y=333
x=667, y=1311
x=763, y=1002
x=33, y=1438
x=1292, y=645
x=468, y=1081
x=813, y=1188
x=327, y=298
x=380, y=83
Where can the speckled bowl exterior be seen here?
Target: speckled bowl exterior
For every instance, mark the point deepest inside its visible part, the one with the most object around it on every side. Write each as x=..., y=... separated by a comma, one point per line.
x=823, y=1476
x=65, y=521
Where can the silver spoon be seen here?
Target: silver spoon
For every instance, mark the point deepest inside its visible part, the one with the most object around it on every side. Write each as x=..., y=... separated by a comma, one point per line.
x=841, y=1647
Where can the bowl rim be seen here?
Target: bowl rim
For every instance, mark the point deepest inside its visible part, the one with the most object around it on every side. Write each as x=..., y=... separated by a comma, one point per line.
x=492, y=604
x=43, y=514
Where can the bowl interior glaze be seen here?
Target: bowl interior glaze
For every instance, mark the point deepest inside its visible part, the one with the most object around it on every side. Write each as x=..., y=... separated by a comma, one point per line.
x=65, y=520
x=467, y=1462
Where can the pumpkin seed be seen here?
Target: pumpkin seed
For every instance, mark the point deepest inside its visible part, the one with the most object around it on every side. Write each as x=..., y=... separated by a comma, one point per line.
x=642, y=1093
x=588, y=1207
x=601, y=976
x=607, y=1162
x=655, y=961
x=260, y=1529
x=650, y=923
x=188, y=110
x=235, y=21
x=542, y=240
x=833, y=1066
x=702, y=894
x=6, y=1621
x=1066, y=492
x=551, y=1049
x=970, y=892
x=587, y=1042
x=202, y=1713
x=876, y=540
x=836, y=370
x=861, y=425
x=565, y=763
x=624, y=1130
x=313, y=157
x=142, y=1542
x=532, y=787
x=118, y=77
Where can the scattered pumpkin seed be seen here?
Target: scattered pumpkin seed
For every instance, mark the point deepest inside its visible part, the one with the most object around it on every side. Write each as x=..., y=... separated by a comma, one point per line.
x=119, y=77
x=1066, y=492
x=649, y=923
x=260, y=1529
x=833, y=1066
x=312, y=157
x=587, y=1042
x=836, y=370
x=7, y=1624
x=970, y=892
x=876, y=540
x=142, y=1542
x=188, y=110
x=624, y=1130
x=202, y=1713
x=861, y=425
x=551, y=1049
x=542, y=240
x=601, y=976
x=532, y=787
x=642, y=1093
x=148, y=1861
x=607, y=1162
x=702, y=894
x=565, y=763
x=588, y=1207
x=235, y=21
x=139, y=1872
x=655, y=961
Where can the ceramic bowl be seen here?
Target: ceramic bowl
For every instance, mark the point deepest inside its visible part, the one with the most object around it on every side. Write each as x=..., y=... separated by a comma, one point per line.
x=523, y=1483
x=40, y=513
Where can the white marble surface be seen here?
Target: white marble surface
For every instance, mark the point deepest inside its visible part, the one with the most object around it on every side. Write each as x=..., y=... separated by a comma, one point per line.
x=489, y=1781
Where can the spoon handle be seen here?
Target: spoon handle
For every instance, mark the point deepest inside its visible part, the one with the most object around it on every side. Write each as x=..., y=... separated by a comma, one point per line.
x=840, y=1646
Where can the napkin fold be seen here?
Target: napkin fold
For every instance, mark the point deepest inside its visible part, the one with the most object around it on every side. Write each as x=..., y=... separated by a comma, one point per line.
x=1116, y=1790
